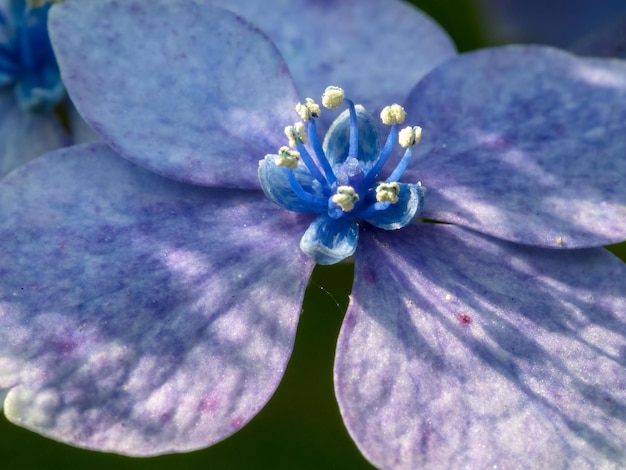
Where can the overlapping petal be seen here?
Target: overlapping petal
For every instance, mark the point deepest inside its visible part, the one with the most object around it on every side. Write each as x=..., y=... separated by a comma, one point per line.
x=333, y=42
x=526, y=144
x=137, y=314
x=24, y=136
x=210, y=94
x=463, y=351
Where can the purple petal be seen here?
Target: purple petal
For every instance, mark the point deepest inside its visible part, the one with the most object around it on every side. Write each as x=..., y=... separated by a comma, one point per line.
x=187, y=90
x=139, y=315
x=24, y=135
x=376, y=50
x=466, y=352
x=526, y=144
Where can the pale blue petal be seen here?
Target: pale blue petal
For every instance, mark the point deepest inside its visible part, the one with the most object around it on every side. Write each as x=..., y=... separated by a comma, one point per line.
x=328, y=241
x=410, y=204
x=337, y=140
x=25, y=135
x=182, y=88
x=465, y=352
x=139, y=315
x=375, y=49
x=526, y=144
x=275, y=185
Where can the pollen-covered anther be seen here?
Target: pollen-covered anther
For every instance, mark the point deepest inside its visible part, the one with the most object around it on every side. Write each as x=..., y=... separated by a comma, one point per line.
x=307, y=110
x=394, y=114
x=410, y=136
x=345, y=198
x=333, y=97
x=288, y=158
x=387, y=192
x=295, y=134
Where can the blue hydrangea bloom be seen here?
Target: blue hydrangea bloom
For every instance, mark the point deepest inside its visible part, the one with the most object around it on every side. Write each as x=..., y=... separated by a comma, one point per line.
x=30, y=87
x=149, y=303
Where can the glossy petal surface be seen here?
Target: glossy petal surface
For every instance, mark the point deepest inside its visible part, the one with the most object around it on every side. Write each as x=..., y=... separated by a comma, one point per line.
x=376, y=50
x=328, y=241
x=200, y=96
x=23, y=135
x=139, y=315
x=536, y=156
x=465, y=352
x=409, y=205
x=336, y=142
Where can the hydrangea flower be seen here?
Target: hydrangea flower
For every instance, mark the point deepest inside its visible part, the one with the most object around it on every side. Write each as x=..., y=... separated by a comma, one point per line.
x=30, y=88
x=149, y=303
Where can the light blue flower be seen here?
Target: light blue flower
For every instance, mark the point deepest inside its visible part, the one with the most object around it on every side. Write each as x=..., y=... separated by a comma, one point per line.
x=30, y=88
x=149, y=303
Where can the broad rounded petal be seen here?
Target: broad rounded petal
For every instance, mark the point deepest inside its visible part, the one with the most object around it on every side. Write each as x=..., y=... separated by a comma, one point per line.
x=25, y=135
x=526, y=144
x=376, y=50
x=328, y=241
x=187, y=90
x=276, y=186
x=466, y=352
x=139, y=315
x=409, y=205
x=337, y=140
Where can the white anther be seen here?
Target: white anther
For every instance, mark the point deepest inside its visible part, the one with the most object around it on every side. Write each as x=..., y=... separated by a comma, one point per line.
x=345, y=198
x=410, y=136
x=295, y=134
x=387, y=192
x=288, y=158
x=393, y=114
x=332, y=97
x=307, y=110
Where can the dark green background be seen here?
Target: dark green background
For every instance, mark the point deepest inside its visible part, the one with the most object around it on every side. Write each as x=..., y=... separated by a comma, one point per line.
x=300, y=428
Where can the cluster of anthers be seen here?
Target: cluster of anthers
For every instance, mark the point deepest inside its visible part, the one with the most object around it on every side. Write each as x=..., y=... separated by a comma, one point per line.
x=339, y=178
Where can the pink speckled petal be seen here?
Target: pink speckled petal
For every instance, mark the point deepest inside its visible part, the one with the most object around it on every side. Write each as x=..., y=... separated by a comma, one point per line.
x=139, y=315
x=460, y=351
x=180, y=87
x=525, y=144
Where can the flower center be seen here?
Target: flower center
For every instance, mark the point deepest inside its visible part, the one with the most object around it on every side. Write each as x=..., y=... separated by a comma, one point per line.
x=339, y=178
x=27, y=60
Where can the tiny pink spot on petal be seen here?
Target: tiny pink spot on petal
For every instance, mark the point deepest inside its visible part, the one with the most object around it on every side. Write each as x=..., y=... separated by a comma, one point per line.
x=208, y=404
x=464, y=318
x=237, y=422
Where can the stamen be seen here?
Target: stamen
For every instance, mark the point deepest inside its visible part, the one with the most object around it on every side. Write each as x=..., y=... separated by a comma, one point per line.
x=333, y=97
x=319, y=152
x=295, y=134
x=309, y=109
x=288, y=158
x=345, y=198
x=387, y=192
x=377, y=206
x=353, y=150
x=394, y=114
x=410, y=136
x=318, y=201
x=384, y=155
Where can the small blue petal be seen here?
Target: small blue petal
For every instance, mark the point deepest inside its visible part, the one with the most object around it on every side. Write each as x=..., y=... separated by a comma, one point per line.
x=337, y=140
x=275, y=185
x=328, y=241
x=410, y=205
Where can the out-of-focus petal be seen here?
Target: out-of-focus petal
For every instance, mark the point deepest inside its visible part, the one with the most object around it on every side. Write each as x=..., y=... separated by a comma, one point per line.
x=25, y=135
x=466, y=352
x=185, y=89
x=376, y=49
x=609, y=41
x=526, y=144
x=139, y=315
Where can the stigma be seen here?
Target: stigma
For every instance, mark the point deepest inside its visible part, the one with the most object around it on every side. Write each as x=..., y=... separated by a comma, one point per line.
x=27, y=61
x=338, y=178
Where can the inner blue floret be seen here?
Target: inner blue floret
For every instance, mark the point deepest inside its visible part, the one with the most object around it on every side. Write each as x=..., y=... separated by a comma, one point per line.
x=27, y=61
x=339, y=178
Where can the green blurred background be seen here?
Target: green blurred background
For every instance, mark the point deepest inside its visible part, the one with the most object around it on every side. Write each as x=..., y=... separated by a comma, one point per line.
x=300, y=428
